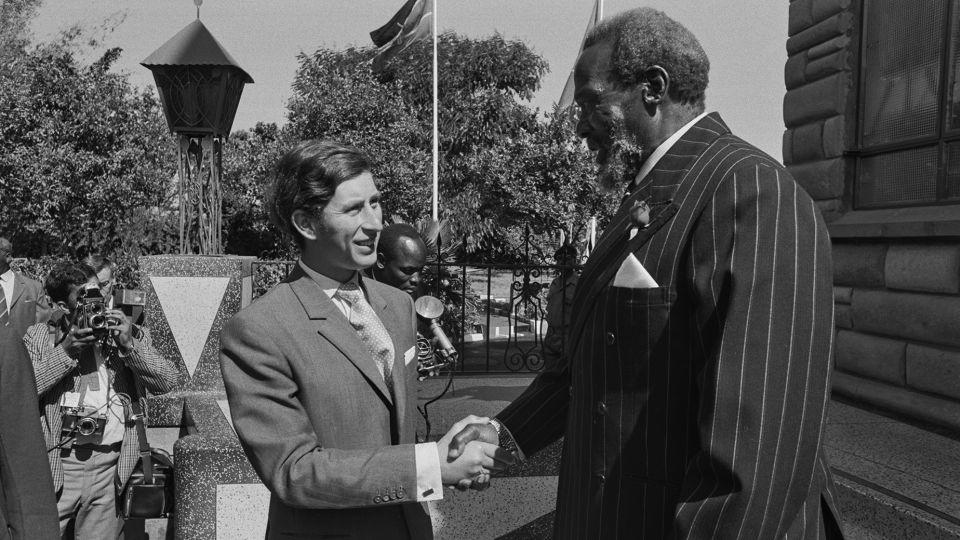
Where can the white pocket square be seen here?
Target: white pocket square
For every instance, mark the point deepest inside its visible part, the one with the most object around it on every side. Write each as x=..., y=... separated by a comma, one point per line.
x=632, y=275
x=409, y=355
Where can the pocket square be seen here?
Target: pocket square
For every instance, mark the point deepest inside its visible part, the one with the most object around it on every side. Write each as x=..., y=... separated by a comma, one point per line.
x=632, y=275
x=409, y=355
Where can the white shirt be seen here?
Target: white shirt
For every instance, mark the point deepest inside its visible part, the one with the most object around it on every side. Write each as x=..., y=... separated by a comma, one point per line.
x=662, y=150
x=427, y=455
x=6, y=281
x=97, y=399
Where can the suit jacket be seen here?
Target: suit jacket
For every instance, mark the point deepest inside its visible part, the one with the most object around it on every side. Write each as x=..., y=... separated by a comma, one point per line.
x=29, y=305
x=315, y=417
x=27, y=507
x=58, y=373
x=695, y=409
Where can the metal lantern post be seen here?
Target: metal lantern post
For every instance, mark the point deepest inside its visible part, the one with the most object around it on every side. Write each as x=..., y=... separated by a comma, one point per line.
x=199, y=85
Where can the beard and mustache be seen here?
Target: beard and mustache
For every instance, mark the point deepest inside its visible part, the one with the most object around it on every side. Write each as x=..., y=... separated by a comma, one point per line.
x=621, y=161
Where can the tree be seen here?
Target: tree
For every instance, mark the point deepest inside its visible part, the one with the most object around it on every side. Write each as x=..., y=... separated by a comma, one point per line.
x=504, y=167
x=89, y=164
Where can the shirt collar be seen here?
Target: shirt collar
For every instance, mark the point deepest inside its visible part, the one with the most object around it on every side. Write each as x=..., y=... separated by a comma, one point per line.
x=328, y=284
x=7, y=276
x=662, y=150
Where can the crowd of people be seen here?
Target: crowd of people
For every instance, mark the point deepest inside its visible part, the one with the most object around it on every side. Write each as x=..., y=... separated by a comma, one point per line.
x=688, y=363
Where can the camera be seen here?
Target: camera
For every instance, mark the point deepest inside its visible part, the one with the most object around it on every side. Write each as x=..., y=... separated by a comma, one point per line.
x=92, y=310
x=82, y=421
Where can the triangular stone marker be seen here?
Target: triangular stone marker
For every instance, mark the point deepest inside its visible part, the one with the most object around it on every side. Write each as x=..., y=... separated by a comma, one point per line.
x=190, y=305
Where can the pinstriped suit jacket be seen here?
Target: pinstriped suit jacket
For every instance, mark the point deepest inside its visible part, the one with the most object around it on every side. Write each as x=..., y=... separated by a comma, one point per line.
x=316, y=419
x=58, y=373
x=695, y=409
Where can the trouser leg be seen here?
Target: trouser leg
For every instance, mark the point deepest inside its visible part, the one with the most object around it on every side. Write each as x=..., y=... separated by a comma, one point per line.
x=97, y=518
x=69, y=500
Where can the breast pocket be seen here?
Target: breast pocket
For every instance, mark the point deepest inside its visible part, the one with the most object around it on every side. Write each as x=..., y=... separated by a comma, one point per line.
x=638, y=331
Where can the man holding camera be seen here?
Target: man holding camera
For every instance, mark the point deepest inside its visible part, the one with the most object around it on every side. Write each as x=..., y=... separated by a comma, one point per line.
x=90, y=362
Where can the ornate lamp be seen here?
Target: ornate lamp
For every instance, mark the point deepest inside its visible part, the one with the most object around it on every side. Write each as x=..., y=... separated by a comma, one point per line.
x=200, y=86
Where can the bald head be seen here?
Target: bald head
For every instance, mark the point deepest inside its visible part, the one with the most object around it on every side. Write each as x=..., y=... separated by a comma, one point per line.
x=6, y=250
x=401, y=255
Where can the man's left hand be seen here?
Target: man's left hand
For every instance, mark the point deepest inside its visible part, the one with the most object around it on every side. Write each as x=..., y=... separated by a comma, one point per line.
x=121, y=330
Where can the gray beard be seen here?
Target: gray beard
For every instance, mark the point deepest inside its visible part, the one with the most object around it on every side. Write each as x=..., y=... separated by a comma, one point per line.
x=622, y=163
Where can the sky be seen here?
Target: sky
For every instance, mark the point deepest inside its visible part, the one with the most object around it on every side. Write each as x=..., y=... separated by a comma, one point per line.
x=744, y=39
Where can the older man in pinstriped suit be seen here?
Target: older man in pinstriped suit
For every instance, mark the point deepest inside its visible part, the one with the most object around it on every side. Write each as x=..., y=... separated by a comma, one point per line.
x=693, y=398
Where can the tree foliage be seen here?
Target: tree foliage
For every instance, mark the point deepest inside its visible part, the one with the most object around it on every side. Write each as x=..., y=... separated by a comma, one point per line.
x=88, y=162
x=504, y=166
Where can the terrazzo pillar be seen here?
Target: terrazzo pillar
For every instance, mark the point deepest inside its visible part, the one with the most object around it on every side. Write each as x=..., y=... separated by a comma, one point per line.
x=189, y=298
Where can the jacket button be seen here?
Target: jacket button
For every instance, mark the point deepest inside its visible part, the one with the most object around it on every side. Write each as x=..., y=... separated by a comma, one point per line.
x=376, y=500
x=611, y=339
x=570, y=390
x=601, y=408
x=600, y=478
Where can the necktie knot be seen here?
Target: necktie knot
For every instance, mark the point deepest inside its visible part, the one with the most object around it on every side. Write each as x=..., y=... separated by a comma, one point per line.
x=350, y=292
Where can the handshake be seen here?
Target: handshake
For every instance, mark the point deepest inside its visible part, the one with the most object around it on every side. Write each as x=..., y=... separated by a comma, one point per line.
x=469, y=454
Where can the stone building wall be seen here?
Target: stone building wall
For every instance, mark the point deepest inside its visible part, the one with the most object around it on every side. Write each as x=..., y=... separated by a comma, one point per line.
x=896, y=271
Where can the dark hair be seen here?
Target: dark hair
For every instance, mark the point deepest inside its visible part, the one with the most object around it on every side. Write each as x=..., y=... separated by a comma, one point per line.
x=307, y=176
x=6, y=246
x=392, y=235
x=99, y=262
x=644, y=37
x=64, y=277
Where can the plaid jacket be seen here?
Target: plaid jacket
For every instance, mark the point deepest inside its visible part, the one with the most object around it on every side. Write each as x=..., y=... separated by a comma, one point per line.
x=58, y=373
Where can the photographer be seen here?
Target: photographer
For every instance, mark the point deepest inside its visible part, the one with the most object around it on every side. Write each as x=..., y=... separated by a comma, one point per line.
x=89, y=361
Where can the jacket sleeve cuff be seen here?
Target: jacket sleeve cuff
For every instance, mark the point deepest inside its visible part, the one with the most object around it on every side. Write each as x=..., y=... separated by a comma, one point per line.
x=429, y=481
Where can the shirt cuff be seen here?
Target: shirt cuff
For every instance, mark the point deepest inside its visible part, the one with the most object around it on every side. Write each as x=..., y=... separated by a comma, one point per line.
x=429, y=480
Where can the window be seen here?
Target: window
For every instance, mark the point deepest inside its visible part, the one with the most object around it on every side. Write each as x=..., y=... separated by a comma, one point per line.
x=910, y=104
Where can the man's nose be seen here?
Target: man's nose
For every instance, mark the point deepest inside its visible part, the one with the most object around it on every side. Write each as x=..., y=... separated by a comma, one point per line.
x=372, y=219
x=415, y=278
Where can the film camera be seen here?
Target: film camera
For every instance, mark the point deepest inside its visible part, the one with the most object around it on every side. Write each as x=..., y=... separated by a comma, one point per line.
x=433, y=356
x=92, y=311
x=82, y=421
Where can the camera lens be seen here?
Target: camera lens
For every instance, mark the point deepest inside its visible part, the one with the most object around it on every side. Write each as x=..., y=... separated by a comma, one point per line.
x=98, y=321
x=86, y=426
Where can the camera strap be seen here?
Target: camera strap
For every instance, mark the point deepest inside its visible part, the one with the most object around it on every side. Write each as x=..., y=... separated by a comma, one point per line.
x=138, y=418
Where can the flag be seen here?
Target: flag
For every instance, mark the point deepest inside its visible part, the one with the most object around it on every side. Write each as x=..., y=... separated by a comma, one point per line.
x=566, y=97
x=411, y=24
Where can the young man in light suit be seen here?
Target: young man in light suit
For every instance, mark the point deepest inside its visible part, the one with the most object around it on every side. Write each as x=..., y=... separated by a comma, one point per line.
x=693, y=400
x=320, y=372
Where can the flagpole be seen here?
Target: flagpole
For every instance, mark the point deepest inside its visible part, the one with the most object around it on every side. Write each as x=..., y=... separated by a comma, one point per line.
x=436, y=131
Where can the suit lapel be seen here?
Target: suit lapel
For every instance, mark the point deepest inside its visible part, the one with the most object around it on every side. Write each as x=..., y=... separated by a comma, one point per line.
x=334, y=327
x=391, y=322
x=18, y=285
x=657, y=189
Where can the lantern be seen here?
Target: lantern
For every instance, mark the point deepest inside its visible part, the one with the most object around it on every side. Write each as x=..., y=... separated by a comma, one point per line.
x=199, y=85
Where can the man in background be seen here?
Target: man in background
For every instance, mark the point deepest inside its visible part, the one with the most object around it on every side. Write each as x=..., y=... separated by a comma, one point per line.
x=401, y=256
x=23, y=302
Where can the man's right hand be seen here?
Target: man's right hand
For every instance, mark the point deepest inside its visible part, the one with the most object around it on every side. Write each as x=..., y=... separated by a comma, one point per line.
x=484, y=432
x=77, y=339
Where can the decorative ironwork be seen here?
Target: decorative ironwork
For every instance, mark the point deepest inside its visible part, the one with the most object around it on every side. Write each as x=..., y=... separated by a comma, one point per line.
x=199, y=86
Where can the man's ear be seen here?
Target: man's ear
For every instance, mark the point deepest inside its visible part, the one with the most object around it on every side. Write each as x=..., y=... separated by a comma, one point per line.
x=381, y=260
x=305, y=224
x=656, y=84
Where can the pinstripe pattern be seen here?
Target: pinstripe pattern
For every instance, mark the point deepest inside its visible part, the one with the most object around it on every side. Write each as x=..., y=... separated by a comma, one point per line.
x=695, y=409
x=58, y=373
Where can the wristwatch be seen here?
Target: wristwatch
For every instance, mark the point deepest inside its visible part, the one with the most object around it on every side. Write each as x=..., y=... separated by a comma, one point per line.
x=505, y=439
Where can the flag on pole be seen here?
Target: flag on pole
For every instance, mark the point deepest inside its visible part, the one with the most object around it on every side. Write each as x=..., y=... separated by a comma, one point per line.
x=566, y=97
x=413, y=23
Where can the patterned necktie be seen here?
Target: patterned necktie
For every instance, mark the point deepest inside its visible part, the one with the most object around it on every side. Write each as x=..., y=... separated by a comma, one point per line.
x=372, y=332
x=4, y=314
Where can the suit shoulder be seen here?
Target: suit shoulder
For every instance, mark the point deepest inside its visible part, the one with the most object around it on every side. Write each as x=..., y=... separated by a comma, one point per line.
x=263, y=309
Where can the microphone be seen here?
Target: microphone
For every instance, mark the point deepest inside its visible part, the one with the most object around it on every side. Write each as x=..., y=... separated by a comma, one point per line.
x=430, y=309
